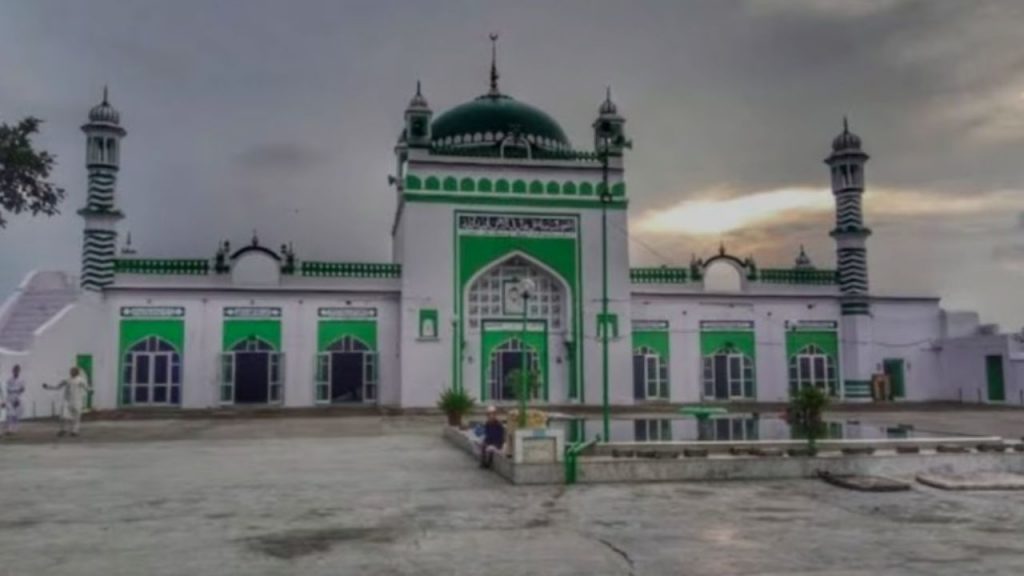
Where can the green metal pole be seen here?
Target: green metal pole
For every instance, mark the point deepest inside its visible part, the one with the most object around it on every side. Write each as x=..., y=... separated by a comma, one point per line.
x=605, y=197
x=522, y=368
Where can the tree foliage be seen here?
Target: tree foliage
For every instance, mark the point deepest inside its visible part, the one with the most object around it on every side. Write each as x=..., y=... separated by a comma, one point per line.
x=25, y=173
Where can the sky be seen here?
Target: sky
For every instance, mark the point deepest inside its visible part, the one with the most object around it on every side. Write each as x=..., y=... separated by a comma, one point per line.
x=281, y=117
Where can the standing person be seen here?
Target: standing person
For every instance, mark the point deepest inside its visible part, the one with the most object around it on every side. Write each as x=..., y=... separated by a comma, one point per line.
x=11, y=396
x=494, y=438
x=74, y=390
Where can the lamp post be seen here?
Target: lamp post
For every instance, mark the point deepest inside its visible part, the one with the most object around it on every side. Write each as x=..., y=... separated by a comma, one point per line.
x=526, y=287
x=606, y=198
x=608, y=136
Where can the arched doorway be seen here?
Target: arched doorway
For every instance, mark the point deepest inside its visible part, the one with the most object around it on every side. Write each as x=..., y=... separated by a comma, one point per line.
x=495, y=313
x=252, y=373
x=346, y=373
x=728, y=374
x=812, y=366
x=506, y=363
x=650, y=374
x=151, y=374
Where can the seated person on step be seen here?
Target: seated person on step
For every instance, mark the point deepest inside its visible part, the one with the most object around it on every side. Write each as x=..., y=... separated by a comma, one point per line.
x=494, y=438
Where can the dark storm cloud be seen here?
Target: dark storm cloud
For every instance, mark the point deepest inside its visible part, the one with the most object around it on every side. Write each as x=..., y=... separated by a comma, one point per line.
x=282, y=116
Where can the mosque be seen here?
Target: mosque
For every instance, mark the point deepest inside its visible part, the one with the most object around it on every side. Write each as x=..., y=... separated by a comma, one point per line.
x=502, y=257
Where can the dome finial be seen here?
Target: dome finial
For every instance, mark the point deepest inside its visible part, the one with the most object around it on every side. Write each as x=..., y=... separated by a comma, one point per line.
x=846, y=125
x=105, y=95
x=418, y=93
x=494, y=64
x=608, y=107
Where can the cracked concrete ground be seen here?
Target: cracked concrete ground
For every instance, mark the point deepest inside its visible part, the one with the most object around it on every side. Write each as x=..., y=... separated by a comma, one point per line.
x=388, y=496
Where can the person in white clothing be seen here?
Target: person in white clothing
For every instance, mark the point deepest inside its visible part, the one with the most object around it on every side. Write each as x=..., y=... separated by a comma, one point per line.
x=10, y=396
x=72, y=401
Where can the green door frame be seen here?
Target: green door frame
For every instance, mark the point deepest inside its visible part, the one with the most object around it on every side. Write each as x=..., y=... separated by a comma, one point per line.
x=994, y=378
x=895, y=369
x=84, y=363
x=491, y=338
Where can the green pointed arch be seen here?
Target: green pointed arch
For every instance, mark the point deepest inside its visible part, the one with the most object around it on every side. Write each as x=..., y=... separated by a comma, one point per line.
x=519, y=187
x=536, y=187
x=569, y=189
x=484, y=185
x=467, y=185
x=451, y=184
x=501, y=186
x=586, y=189
x=413, y=182
x=553, y=187
x=432, y=183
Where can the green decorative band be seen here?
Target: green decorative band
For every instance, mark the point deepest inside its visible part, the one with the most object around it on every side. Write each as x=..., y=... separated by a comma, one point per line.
x=151, y=266
x=794, y=276
x=492, y=200
x=350, y=270
x=513, y=152
x=659, y=275
x=857, y=388
x=502, y=186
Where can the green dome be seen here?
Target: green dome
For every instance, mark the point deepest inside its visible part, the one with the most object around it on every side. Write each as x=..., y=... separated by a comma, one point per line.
x=489, y=118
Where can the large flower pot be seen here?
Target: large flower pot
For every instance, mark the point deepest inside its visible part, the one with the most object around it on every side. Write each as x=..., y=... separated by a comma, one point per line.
x=455, y=420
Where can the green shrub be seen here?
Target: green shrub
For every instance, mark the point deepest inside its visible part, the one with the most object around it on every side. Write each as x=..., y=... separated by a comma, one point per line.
x=455, y=404
x=806, y=414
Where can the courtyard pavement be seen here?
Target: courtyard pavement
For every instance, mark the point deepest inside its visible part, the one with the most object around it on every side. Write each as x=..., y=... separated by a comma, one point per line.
x=369, y=495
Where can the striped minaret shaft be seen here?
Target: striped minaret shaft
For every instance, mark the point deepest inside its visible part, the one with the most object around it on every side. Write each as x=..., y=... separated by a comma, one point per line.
x=102, y=160
x=847, y=168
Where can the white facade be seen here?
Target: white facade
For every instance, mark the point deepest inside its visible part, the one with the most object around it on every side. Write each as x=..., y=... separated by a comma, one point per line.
x=491, y=193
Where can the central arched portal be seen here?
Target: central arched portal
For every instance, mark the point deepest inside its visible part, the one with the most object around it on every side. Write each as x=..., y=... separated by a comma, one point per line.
x=512, y=330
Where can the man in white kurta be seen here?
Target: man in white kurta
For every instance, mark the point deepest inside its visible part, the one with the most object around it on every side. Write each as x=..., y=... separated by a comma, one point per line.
x=11, y=398
x=73, y=391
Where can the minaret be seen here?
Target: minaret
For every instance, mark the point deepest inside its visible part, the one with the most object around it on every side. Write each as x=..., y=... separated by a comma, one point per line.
x=847, y=167
x=102, y=159
x=417, y=121
x=609, y=124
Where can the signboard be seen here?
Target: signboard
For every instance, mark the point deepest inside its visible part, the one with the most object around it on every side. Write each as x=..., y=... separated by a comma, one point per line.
x=347, y=313
x=152, y=311
x=726, y=325
x=485, y=224
x=531, y=326
x=650, y=325
x=812, y=325
x=238, y=312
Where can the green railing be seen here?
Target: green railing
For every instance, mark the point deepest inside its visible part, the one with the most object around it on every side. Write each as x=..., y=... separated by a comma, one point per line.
x=154, y=266
x=794, y=276
x=495, y=151
x=571, y=459
x=659, y=275
x=350, y=270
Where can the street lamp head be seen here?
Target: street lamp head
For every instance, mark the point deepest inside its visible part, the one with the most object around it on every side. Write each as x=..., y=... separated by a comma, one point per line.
x=526, y=288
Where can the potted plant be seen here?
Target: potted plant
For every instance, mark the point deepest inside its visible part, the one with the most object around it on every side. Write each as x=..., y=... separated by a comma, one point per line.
x=806, y=415
x=455, y=404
